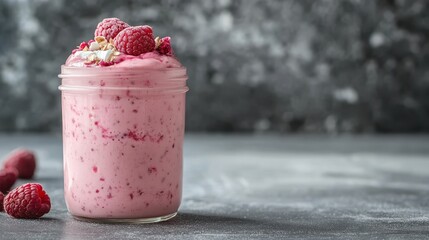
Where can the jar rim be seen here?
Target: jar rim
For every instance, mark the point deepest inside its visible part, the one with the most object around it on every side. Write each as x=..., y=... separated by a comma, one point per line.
x=106, y=90
x=113, y=72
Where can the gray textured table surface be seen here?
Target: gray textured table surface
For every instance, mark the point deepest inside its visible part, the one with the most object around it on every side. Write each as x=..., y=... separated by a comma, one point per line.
x=263, y=187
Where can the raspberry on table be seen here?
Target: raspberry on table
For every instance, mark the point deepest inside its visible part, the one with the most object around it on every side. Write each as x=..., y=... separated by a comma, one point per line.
x=110, y=27
x=1, y=201
x=135, y=40
x=27, y=201
x=8, y=177
x=165, y=46
x=22, y=160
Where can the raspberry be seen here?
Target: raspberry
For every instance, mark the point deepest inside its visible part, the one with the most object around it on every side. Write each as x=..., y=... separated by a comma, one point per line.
x=109, y=28
x=147, y=29
x=24, y=161
x=1, y=201
x=105, y=64
x=7, y=179
x=165, y=46
x=27, y=201
x=82, y=45
x=135, y=40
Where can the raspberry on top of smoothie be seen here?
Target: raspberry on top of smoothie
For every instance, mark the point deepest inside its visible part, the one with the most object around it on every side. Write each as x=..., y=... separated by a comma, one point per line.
x=116, y=41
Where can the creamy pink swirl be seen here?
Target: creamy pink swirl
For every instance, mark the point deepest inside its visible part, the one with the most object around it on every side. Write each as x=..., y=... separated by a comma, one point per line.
x=150, y=60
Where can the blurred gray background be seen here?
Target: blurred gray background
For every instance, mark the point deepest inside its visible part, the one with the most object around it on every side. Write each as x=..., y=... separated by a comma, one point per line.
x=254, y=65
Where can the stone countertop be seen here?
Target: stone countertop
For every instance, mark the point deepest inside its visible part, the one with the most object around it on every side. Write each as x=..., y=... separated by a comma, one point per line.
x=263, y=187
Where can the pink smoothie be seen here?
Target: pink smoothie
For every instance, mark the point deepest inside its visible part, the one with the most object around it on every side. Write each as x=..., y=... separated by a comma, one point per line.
x=123, y=129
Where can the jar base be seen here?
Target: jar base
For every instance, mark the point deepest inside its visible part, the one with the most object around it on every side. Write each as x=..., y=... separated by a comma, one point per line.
x=127, y=220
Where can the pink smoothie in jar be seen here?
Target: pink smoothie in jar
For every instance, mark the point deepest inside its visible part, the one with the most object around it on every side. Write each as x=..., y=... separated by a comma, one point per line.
x=123, y=129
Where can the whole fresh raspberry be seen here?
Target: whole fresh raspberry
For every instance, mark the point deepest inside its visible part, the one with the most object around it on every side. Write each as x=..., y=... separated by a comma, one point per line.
x=135, y=40
x=110, y=27
x=165, y=46
x=147, y=29
x=8, y=177
x=27, y=201
x=22, y=160
x=1, y=201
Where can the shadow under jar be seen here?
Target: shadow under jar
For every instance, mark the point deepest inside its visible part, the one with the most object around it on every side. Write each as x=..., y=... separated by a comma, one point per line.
x=123, y=142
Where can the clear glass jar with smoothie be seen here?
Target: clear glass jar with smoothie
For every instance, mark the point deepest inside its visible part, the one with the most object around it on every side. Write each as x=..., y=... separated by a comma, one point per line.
x=123, y=105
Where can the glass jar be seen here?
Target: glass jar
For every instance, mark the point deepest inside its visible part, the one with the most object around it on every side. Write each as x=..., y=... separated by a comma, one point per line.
x=123, y=133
